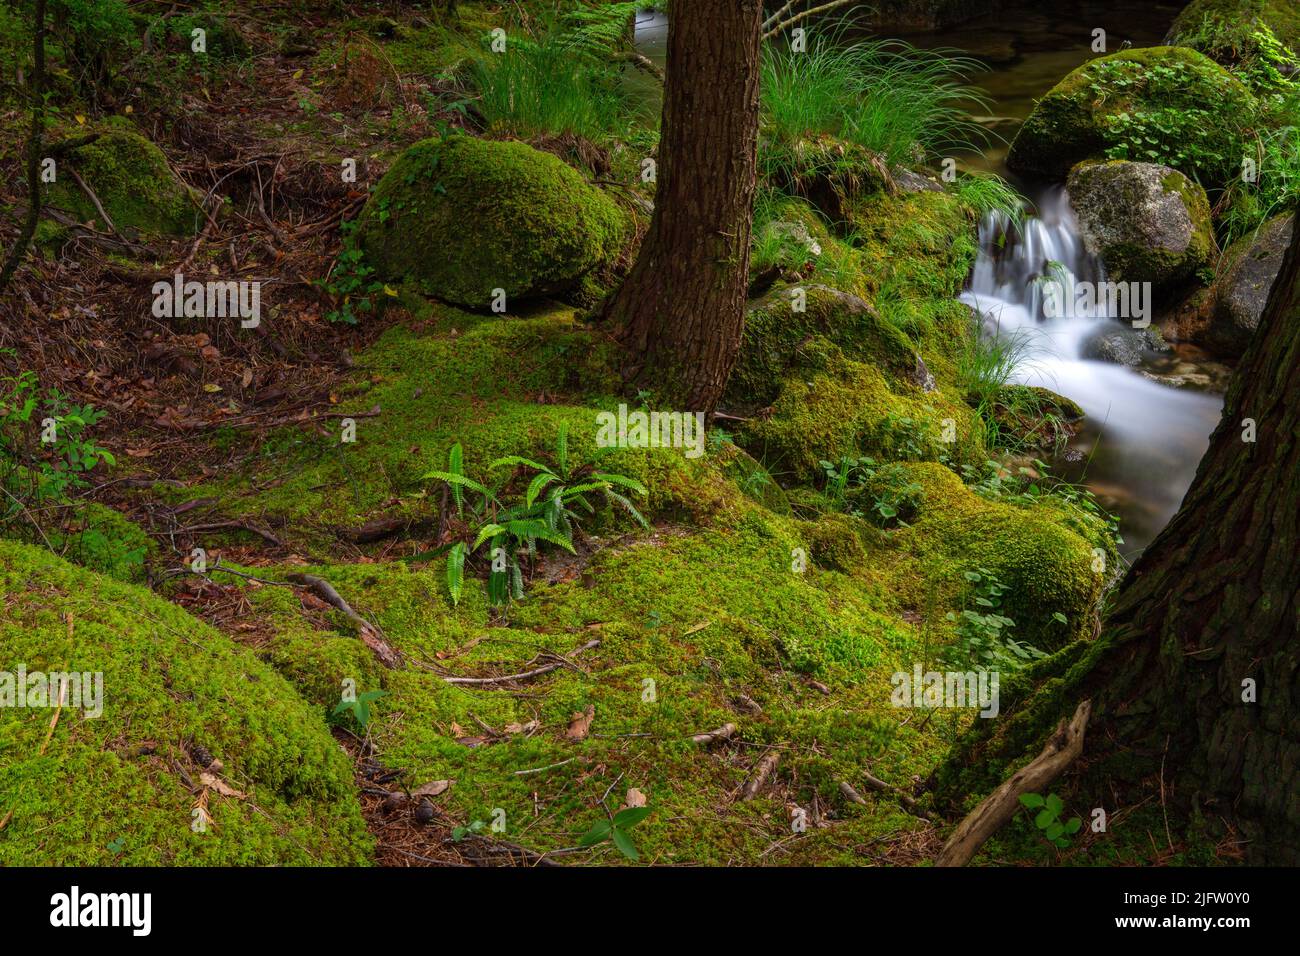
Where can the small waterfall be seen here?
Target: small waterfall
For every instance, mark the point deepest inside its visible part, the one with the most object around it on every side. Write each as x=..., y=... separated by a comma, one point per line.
x=1141, y=441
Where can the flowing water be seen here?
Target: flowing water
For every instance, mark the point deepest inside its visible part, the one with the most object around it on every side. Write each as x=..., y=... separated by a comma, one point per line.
x=1141, y=440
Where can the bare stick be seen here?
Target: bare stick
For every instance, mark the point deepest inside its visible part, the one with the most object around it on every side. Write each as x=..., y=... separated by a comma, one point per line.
x=524, y=675
x=762, y=772
x=786, y=24
x=369, y=634
x=993, y=813
x=725, y=732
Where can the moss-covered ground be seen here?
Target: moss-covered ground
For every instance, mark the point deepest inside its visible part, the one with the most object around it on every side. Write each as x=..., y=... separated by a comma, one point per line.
x=757, y=596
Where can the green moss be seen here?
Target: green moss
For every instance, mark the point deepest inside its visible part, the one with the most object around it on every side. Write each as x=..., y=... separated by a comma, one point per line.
x=462, y=217
x=705, y=615
x=103, y=540
x=850, y=407
x=837, y=543
x=169, y=681
x=131, y=177
x=1168, y=105
x=1227, y=30
x=1045, y=562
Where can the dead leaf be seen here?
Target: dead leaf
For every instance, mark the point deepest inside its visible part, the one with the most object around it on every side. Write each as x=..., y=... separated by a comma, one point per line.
x=213, y=782
x=580, y=723
x=432, y=788
x=527, y=728
x=695, y=629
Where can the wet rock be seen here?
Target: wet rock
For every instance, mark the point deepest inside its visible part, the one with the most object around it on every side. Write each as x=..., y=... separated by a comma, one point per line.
x=1240, y=292
x=1122, y=346
x=1148, y=223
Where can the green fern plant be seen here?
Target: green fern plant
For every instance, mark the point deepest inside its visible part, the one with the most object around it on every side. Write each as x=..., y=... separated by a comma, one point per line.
x=555, y=500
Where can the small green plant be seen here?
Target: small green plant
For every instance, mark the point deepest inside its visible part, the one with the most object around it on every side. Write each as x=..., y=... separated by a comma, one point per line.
x=883, y=95
x=359, y=708
x=459, y=833
x=548, y=85
x=45, y=448
x=615, y=829
x=983, y=634
x=556, y=499
x=1048, y=818
x=352, y=285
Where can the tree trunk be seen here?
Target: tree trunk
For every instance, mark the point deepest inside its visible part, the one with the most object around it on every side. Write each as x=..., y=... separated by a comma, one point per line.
x=680, y=312
x=1215, y=602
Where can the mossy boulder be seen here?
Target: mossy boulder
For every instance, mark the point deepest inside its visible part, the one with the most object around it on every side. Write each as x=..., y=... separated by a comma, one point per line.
x=1147, y=223
x=802, y=327
x=1229, y=31
x=461, y=217
x=133, y=181
x=1164, y=104
x=836, y=543
x=829, y=173
x=1241, y=290
x=1046, y=564
x=110, y=788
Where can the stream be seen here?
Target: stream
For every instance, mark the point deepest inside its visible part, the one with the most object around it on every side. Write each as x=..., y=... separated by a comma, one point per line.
x=1141, y=440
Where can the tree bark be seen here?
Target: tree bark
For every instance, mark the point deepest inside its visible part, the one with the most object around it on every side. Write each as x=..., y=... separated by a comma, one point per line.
x=680, y=312
x=1215, y=602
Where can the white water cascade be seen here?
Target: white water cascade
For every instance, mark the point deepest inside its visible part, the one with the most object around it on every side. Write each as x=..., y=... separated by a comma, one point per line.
x=1141, y=441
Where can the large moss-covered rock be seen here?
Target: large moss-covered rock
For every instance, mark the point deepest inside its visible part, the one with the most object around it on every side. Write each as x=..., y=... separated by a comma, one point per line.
x=109, y=788
x=1148, y=223
x=1242, y=288
x=1047, y=563
x=1168, y=105
x=133, y=181
x=1232, y=32
x=462, y=217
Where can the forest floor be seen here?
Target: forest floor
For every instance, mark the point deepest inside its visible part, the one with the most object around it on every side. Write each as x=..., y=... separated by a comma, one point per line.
x=612, y=685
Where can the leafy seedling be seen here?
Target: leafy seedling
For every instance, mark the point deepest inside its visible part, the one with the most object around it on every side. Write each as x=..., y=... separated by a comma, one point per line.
x=1048, y=818
x=615, y=830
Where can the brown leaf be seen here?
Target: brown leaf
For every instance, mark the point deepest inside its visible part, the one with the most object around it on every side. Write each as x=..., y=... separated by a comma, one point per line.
x=213, y=782
x=432, y=788
x=580, y=723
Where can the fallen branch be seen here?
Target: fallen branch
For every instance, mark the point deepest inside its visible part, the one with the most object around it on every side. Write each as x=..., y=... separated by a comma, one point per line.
x=641, y=62
x=523, y=675
x=787, y=24
x=851, y=794
x=368, y=633
x=993, y=813
x=725, y=732
x=762, y=773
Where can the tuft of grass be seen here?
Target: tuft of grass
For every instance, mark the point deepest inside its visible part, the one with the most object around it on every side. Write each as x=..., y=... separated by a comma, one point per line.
x=544, y=86
x=883, y=95
x=985, y=367
x=990, y=193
